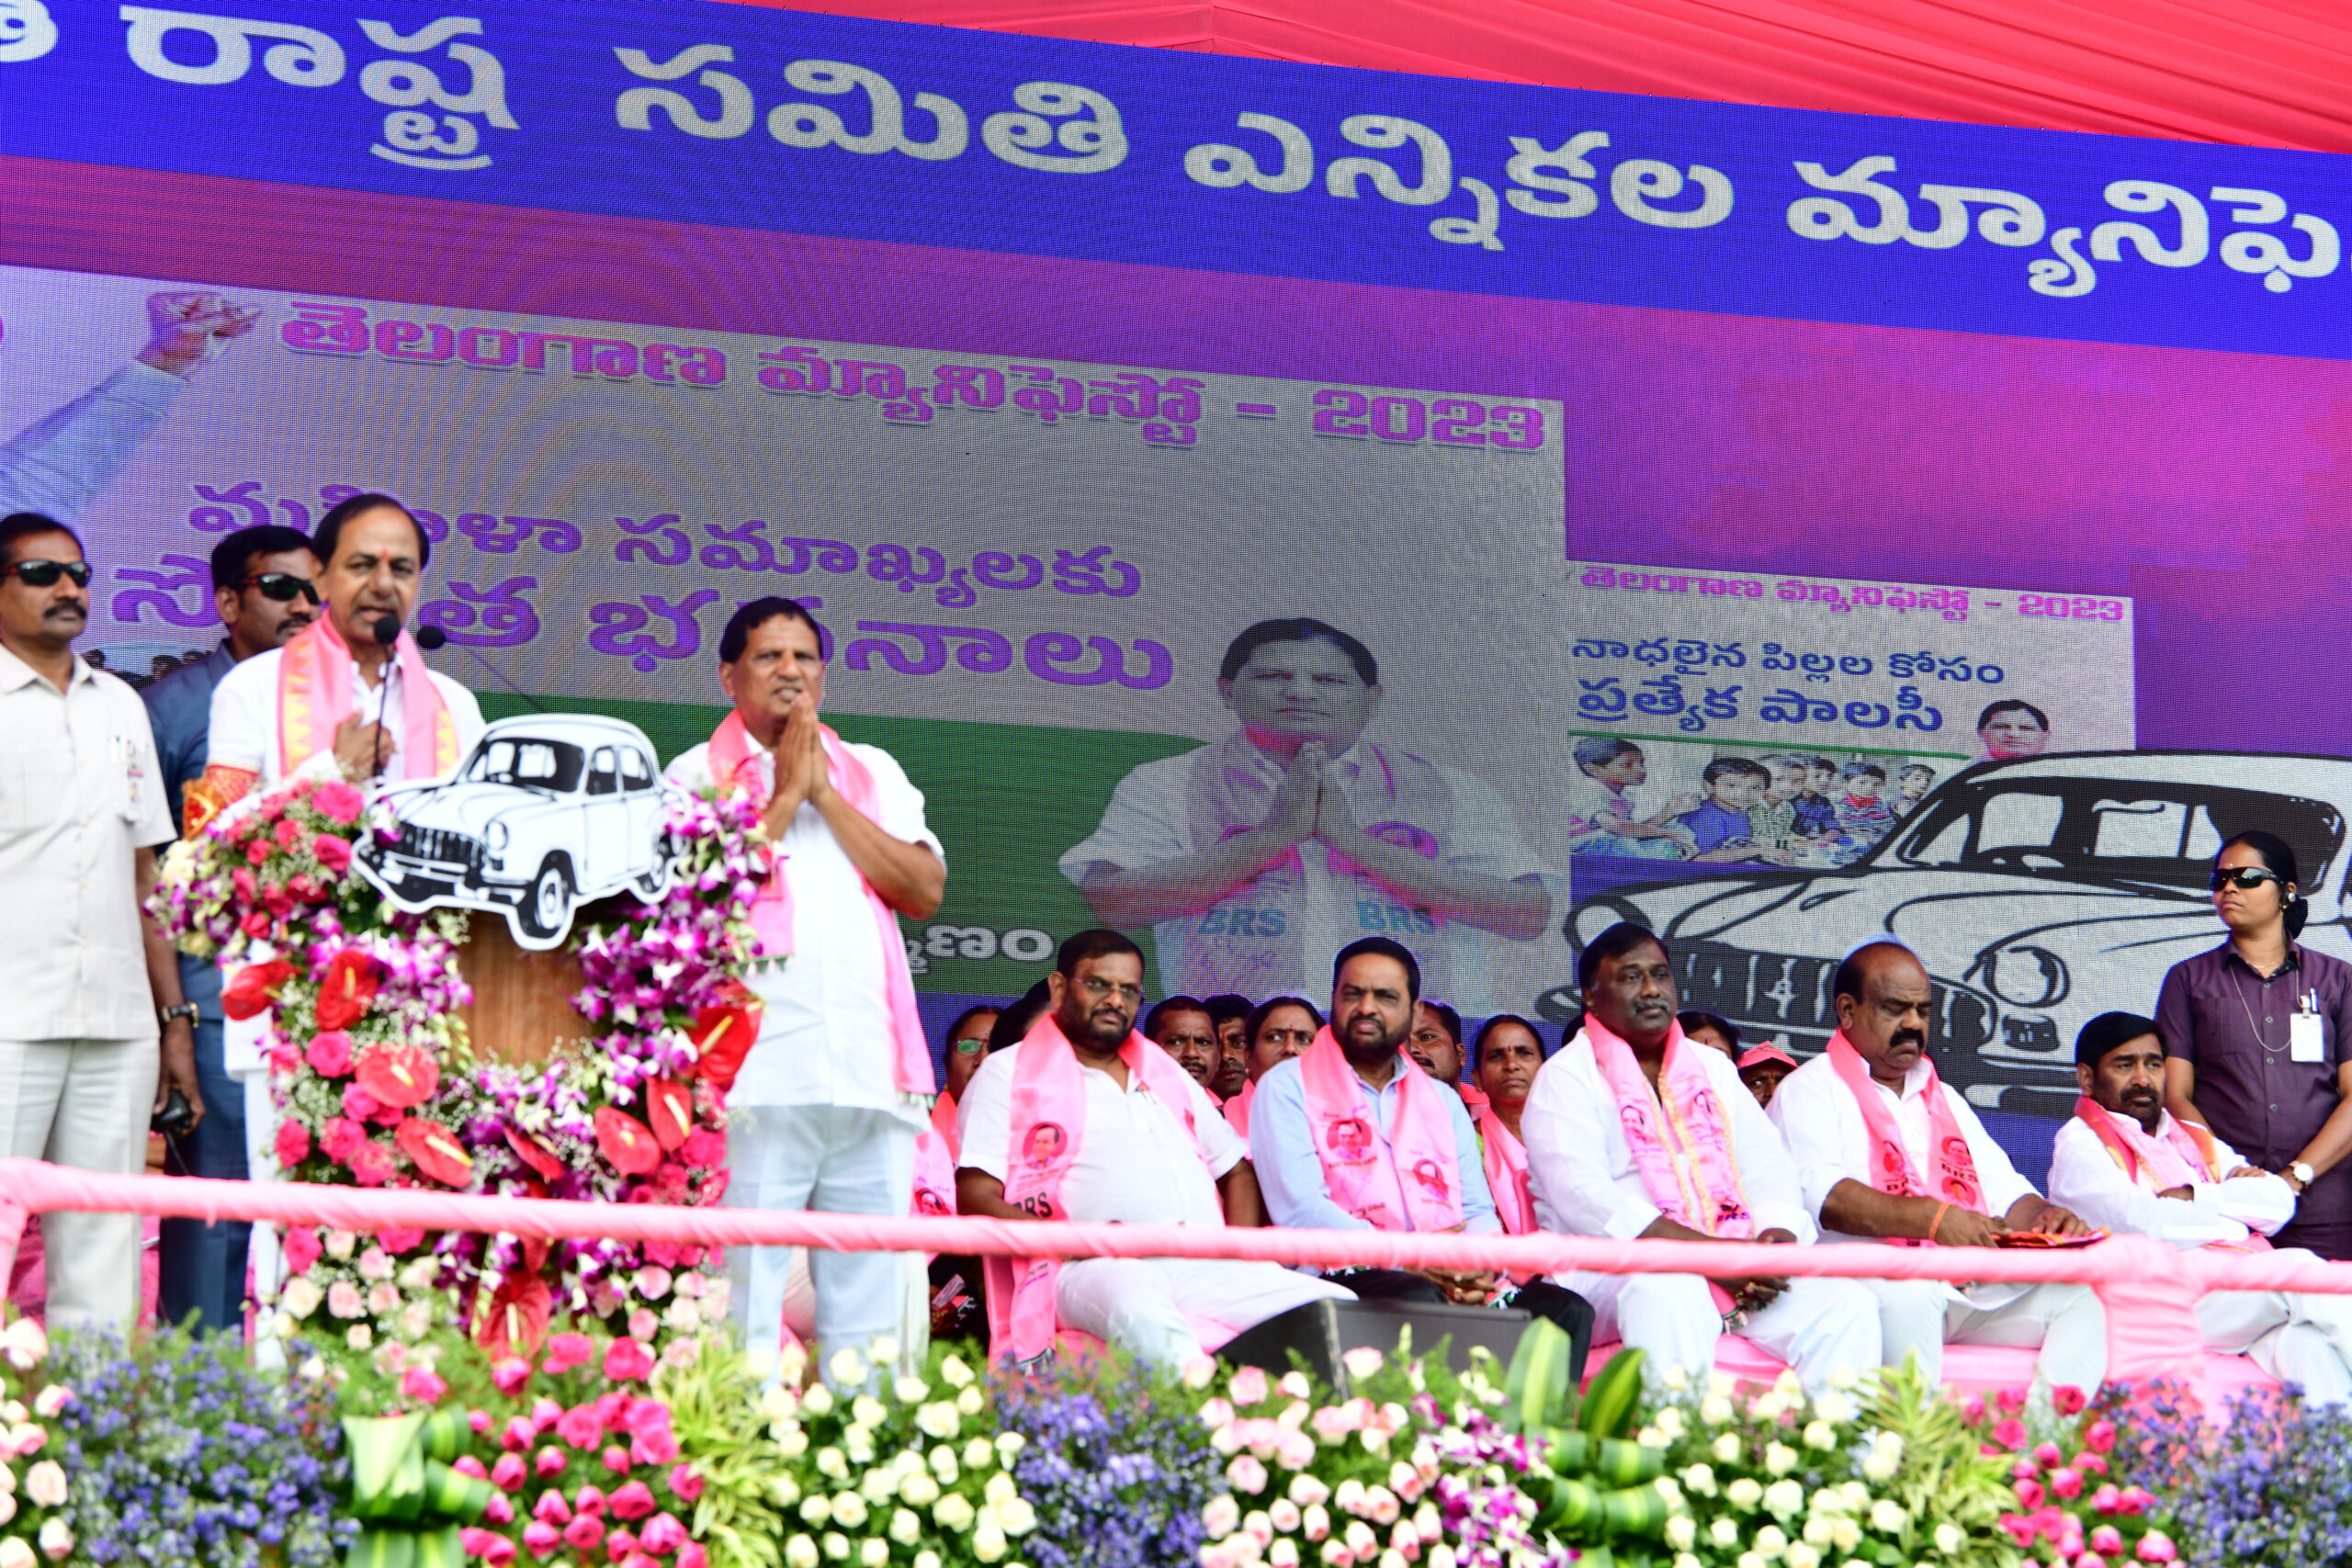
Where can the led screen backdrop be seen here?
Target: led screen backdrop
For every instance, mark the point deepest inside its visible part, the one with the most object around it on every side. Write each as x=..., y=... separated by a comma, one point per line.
x=1780, y=527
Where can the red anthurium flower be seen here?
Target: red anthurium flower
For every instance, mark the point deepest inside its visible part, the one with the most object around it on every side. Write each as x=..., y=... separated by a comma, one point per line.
x=514, y=1320
x=254, y=988
x=670, y=1105
x=436, y=1151
x=533, y=1153
x=626, y=1141
x=398, y=1075
x=347, y=989
x=723, y=1037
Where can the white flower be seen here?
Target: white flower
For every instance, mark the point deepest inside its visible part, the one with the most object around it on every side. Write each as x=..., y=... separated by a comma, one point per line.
x=1888, y=1517
x=1751, y=1560
x=300, y=1298
x=25, y=1343
x=14, y=1553
x=970, y=1402
x=849, y=1511
x=1716, y=1411
x=339, y=1244
x=1669, y=1422
x=884, y=1350
x=944, y=1465
x=1845, y=1535
x=937, y=1420
x=1858, y=1496
x=785, y=1490
x=1779, y=1458
x=1000, y=1489
x=1675, y=1379
x=1221, y=1517
x=846, y=1367
x=988, y=1540
x=818, y=1401
x=954, y=1372
x=1363, y=1361
x=793, y=1443
x=1726, y=1449
x=1833, y=1404
x=1441, y=1556
x=1800, y=1555
x=1772, y=1540
x=56, y=1539
x=1743, y=1493
x=1784, y=1499
x=831, y=1464
x=1284, y=1554
x=779, y=1403
x=926, y=1558
x=1199, y=1373
x=1016, y=1516
x=879, y=1484
x=977, y=1455
x=816, y=1509
x=1681, y=1532
x=7, y=1501
x=416, y=1319
x=836, y=1546
x=420, y=1273
x=1699, y=1479
x=955, y=1512
x=359, y=1337
x=910, y=1391
x=1725, y=1531
x=906, y=1527
x=1878, y=1467
x=1820, y=1529
x=50, y=1400
x=1820, y=1434
x=1306, y=1491
x=918, y=1490
x=873, y=1552
x=868, y=1411
x=1949, y=1539
x=45, y=1484
x=1009, y=1445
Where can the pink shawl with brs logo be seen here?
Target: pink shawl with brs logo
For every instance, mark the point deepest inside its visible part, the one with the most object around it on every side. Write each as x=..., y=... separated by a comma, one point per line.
x=1360, y=1167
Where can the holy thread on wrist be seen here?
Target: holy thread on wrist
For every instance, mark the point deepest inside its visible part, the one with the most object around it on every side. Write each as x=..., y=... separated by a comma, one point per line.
x=1938, y=1222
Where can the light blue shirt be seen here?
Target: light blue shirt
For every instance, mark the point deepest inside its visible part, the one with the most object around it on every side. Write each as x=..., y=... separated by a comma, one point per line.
x=1290, y=1173
x=57, y=465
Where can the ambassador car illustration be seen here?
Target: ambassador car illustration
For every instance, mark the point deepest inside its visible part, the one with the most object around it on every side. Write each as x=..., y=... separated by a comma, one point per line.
x=2039, y=893
x=549, y=812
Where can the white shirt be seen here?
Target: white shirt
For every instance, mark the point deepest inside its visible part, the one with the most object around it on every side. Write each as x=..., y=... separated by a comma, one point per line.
x=81, y=792
x=57, y=465
x=1134, y=1163
x=244, y=722
x=825, y=1032
x=1822, y=1125
x=1148, y=820
x=2085, y=1177
x=1582, y=1167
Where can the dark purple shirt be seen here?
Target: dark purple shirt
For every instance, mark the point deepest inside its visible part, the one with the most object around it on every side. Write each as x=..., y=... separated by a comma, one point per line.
x=2229, y=1023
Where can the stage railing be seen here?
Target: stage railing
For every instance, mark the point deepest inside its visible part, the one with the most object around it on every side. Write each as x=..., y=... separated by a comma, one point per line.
x=2150, y=1289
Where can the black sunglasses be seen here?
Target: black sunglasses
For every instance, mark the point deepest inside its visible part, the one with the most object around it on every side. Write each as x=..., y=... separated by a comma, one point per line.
x=282, y=586
x=45, y=574
x=2245, y=878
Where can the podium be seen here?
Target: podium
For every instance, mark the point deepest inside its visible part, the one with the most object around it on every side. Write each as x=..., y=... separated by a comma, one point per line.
x=522, y=1009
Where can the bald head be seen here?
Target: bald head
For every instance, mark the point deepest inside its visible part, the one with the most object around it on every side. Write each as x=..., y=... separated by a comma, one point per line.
x=1885, y=1005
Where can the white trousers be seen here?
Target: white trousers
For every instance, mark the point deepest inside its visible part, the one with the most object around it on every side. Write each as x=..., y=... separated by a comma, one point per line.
x=2305, y=1339
x=2066, y=1323
x=838, y=1161
x=264, y=1255
x=83, y=1103
x=1144, y=1305
x=1817, y=1325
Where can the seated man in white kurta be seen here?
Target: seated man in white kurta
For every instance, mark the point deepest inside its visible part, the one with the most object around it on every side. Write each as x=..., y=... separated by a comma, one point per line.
x=1087, y=1120
x=1634, y=1129
x=824, y=1112
x=2127, y=1163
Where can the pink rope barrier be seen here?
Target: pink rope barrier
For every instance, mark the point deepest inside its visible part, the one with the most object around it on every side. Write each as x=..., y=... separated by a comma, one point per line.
x=2150, y=1288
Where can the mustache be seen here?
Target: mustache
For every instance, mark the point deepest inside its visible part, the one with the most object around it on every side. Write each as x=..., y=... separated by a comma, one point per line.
x=1917, y=1037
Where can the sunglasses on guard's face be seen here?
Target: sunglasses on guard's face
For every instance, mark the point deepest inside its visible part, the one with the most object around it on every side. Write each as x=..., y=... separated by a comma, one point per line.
x=282, y=586
x=2245, y=878
x=45, y=574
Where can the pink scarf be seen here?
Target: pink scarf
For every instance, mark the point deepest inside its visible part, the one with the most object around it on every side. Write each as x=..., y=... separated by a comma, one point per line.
x=734, y=762
x=1418, y=1160
x=1678, y=1134
x=1891, y=1170
x=2180, y=1154
x=935, y=1161
x=317, y=690
x=1237, y=1110
x=1506, y=1178
x=1048, y=1125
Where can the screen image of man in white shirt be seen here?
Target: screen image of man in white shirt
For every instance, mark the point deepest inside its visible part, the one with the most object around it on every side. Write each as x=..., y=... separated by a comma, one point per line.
x=2126, y=1163
x=1134, y=1139
x=825, y=1110
x=1886, y=1150
x=1664, y=1125
x=87, y=984
x=1253, y=855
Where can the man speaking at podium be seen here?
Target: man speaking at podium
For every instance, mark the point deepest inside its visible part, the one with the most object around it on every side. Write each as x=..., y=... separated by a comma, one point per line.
x=347, y=698
x=824, y=1113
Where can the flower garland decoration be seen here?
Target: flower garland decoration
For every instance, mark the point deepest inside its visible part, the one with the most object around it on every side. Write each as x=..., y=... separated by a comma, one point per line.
x=2070, y=1512
x=34, y=1487
x=375, y=1084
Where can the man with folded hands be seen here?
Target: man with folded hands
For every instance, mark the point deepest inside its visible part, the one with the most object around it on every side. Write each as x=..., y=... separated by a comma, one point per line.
x=1887, y=1152
x=1633, y=1129
x=2128, y=1164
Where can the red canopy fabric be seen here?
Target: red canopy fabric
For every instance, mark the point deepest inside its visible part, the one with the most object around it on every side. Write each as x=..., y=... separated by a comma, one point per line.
x=2260, y=72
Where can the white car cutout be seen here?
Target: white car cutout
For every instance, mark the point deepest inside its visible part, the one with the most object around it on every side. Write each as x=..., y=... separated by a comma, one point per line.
x=550, y=811
x=2039, y=892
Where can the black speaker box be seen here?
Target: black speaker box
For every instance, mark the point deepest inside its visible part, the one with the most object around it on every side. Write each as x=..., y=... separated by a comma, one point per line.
x=1321, y=1332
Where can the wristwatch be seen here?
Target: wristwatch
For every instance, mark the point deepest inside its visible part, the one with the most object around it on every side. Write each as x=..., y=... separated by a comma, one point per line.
x=187, y=1010
x=2303, y=1174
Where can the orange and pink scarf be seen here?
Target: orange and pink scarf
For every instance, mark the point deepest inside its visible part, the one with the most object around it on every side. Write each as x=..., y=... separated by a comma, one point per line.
x=317, y=690
x=2180, y=1154
x=1361, y=1169
x=734, y=763
x=1679, y=1133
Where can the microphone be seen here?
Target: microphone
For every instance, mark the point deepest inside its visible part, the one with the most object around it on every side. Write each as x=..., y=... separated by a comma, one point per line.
x=430, y=637
x=387, y=632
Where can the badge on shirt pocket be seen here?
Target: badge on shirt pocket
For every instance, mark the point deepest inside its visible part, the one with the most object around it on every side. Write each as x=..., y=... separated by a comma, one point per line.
x=2306, y=1037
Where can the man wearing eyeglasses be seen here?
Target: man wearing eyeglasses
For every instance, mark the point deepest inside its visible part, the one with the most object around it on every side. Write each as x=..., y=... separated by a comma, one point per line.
x=89, y=991
x=265, y=587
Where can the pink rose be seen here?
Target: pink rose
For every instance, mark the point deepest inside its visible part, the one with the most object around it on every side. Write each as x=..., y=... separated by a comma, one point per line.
x=631, y=1502
x=2067, y=1482
x=341, y=1138
x=342, y=1300
x=359, y=1104
x=552, y=1509
x=372, y=1165
x=693, y=1555
x=397, y=1239
x=579, y=1427
x=550, y=1463
x=423, y=1383
x=627, y=1361
x=686, y=1483
x=566, y=1351
x=519, y=1435
x=330, y=1053
x=2067, y=1400
x=499, y=1511
x=2010, y=1434
x=616, y=1459
x=257, y=852
x=545, y=1412
x=638, y=1559
x=644, y=1324
x=663, y=1535
x=466, y=1464
x=334, y=854
x=301, y=1246
x=589, y=1500
x=288, y=833
x=509, y=1473
x=509, y=1375
x=704, y=1148
x=541, y=1537
x=339, y=802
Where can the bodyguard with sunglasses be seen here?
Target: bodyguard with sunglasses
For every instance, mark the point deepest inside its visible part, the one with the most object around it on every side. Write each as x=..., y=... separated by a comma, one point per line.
x=90, y=1003
x=2259, y=1041
x=265, y=586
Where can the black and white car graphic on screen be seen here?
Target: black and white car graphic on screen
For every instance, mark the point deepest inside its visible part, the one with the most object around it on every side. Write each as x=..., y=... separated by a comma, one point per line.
x=2039, y=892
x=549, y=812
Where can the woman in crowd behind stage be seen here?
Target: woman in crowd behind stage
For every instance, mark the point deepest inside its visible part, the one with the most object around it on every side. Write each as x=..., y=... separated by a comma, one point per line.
x=2258, y=1039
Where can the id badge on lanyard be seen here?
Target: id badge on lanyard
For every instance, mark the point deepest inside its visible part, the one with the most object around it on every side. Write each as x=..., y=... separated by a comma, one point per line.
x=134, y=777
x=2306, y=1031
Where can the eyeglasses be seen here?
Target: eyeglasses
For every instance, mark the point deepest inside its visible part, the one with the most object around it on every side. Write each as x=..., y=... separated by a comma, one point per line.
x=968, y=1047
x=282, y=586
x=1098, y=990
x=2245, y=878
x=45, y=574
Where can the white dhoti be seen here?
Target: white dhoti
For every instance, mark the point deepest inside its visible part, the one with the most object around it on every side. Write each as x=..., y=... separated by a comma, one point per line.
x=1147, y=1306
x=85, y=1104
x=838, y=1160
x=2065, y=1323
x=2305, y=1339
x=1819, y=1327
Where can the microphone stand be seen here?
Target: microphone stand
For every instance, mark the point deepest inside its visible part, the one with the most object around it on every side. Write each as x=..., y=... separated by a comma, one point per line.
x=388, y=636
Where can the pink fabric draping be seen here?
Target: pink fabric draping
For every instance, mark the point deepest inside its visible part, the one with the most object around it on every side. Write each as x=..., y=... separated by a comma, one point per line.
x=2259, y=73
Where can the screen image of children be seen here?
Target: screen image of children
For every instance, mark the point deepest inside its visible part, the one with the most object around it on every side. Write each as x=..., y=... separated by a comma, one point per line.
x=1862, y=814
x=1912, y=783
x=1718, y=825
x=1608, y=804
